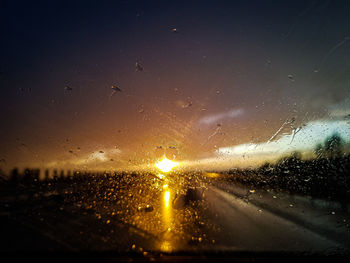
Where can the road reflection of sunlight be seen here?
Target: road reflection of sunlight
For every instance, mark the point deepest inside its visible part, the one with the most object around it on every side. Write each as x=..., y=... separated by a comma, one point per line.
x=167, y=217
x=166, y=246
x=166, y=198
x=212, y=175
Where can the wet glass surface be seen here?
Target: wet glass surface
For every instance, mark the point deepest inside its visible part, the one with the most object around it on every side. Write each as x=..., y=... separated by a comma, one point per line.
x=149, y=128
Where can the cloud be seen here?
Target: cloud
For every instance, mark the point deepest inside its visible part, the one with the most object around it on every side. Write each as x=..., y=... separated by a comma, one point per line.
x=305, y=140
x=251, y=154
x=100, y=156
x=95, y=159
x=340, y=109
x=214, y=118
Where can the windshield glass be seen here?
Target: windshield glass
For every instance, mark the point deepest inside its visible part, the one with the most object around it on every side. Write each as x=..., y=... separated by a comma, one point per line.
x=164, y=127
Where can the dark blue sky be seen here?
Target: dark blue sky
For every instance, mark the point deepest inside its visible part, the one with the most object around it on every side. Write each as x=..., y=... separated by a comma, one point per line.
x=268, y=60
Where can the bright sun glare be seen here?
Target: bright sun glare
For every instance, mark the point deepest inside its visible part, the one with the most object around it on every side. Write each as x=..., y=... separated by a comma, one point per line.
x=165, y=165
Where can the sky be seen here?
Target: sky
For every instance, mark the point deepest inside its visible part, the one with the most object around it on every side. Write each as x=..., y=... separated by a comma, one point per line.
x=217, y=77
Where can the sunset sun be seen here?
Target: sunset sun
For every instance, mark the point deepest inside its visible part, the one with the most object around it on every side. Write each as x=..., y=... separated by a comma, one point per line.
x=166, y=165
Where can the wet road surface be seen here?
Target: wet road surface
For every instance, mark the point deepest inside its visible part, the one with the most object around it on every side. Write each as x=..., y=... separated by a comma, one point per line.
x=167, y=213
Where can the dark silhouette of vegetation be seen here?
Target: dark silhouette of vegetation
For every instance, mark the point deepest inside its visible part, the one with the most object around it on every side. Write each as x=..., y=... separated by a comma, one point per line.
x=319, y=151
x=332, y=147
x=326, y=176
x=322, y=177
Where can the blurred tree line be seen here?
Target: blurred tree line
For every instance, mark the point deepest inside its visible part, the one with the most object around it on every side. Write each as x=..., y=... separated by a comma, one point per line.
x=325, y=176
x=332, y=147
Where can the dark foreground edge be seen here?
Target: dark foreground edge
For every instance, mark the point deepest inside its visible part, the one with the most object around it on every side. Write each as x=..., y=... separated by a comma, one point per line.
x=111, y=256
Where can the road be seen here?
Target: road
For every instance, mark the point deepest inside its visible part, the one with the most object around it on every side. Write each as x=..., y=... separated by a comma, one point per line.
x=145, y=213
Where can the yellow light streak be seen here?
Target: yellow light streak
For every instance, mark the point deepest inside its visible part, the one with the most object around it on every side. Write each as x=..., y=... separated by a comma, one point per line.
x=166, y=198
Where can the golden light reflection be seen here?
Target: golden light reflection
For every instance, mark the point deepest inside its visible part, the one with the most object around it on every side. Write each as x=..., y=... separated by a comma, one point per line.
x=166, y=247
x=166, y=165
x=166, y=198
x=167, y=216
x=212, y=175
x=161, y=176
